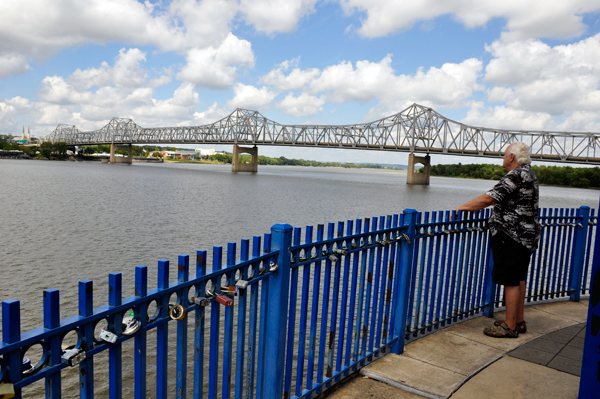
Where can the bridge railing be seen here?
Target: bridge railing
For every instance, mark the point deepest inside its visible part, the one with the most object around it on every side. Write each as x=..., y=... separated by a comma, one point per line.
x=298, y=314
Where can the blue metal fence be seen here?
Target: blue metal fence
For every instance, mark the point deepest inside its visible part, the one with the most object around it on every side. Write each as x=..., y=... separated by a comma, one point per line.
x=291, y=316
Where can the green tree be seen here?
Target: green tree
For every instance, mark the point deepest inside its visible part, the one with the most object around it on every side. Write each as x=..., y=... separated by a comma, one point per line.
x=46, y=149
x=60, y=149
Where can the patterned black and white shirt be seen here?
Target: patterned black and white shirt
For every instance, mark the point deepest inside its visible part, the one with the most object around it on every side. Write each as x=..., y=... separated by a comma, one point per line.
x=516, y=208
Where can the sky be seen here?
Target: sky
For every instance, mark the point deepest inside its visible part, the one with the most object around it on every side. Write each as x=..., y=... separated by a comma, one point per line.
x=514, y=64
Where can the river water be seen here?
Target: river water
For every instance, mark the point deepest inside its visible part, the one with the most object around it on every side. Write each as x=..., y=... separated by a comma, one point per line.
x=61, y=222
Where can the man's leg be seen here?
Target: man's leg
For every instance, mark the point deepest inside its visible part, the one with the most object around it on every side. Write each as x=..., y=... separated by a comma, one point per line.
x=512, y=296
x=521, y=304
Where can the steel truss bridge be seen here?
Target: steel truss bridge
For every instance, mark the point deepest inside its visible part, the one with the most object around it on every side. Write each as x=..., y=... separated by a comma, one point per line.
x=417, y=129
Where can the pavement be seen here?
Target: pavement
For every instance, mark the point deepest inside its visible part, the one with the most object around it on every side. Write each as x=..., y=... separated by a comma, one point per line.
x=461, y=362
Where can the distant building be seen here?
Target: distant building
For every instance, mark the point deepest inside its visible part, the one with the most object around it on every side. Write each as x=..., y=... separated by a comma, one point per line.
x=25, y=140
x=179, y=154
x=204, y=152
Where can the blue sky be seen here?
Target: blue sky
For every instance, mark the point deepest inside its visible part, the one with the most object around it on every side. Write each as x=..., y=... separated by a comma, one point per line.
x=516, y=65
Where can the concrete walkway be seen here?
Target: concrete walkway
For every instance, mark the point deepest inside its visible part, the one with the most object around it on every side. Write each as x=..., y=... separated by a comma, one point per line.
x=460, y=361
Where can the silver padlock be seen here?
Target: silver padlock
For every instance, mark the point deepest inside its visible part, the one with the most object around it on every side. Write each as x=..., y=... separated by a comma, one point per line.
x=72, y=357
x=108, y=336
x=242, y=284
x=333, y=258
x=201, y=301
x=130, y=325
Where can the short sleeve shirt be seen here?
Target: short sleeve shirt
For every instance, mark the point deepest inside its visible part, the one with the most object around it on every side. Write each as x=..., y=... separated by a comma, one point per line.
x=516, y=209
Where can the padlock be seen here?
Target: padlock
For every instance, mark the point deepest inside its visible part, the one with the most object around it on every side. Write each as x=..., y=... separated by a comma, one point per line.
x=7, y=390
x=228, y=290
x=130, y=325
x=201, y=301
x=26, y=367
x=177, y=312
x=333, y=258
x=225, y=300
x=108, y=336
x=72, y=357
x=241, y=286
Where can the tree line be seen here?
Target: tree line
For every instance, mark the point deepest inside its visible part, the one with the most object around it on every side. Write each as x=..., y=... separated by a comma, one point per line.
x=547, y=175
x=263, y=160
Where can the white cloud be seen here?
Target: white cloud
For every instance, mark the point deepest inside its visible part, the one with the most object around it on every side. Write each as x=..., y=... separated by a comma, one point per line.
x=214, y=67
x=205, y=22
x=534, y=76
x=502, y=117
x=524, y=19
x=91, y=97
x=250, y=97
x=127, y=72
x=12, y=63
x=40, y=28
x=303, y=105
x=271, y=16
x=212, y=114
x=446, y=86
x=296, y=79
x=11, y=108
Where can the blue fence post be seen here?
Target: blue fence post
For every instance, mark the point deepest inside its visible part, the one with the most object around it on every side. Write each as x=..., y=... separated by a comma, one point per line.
x=140, y=340
x=183, y=275
x=51, y=321
x=402, y=284
x=277, y=313
x=11, y=333
x=162, y=332
x=86, y=367
x=589, y=383
x=115, y=352
x=579, y=241
x=489, y=288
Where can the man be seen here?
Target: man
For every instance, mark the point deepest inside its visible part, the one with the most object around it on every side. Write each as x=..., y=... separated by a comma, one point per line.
x=515, y=233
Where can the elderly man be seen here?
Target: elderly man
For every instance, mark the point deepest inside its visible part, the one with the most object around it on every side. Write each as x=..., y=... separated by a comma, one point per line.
x=515, y=234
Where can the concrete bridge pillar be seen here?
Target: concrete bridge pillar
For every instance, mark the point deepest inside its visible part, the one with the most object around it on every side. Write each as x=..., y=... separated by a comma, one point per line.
x=115, y=159
x=418, y=178
x=237, y=166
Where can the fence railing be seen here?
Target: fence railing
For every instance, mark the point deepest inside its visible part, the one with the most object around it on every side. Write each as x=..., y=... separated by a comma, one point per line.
x=292, y=315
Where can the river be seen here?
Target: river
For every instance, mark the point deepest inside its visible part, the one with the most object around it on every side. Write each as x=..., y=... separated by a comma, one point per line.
x=61, y=222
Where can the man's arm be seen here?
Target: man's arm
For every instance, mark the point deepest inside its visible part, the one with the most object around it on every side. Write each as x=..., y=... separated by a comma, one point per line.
x=483, y=201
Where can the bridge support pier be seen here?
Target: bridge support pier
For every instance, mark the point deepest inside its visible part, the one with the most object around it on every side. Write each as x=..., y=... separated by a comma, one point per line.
x=114, y=159
x=418, y=178
x=237, y=166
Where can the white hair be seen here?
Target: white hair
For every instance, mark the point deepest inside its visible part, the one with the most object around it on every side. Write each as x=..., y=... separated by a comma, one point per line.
x=521, y=152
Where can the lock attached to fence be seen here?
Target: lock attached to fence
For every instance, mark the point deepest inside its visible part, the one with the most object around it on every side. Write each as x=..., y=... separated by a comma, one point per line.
x=130, y=324
x=202, y=302
x=72, y=357
x=177, y=312
x=7, y=390
x=231, y=290
x=241, y=286
x=224, y=300
x=108, y=336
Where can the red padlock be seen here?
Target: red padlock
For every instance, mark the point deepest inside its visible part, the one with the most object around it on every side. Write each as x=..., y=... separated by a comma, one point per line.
x=224, y=300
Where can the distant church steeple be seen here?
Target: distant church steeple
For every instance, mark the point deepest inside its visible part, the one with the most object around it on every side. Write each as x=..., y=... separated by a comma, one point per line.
x=28, y=135
x=23, y=135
